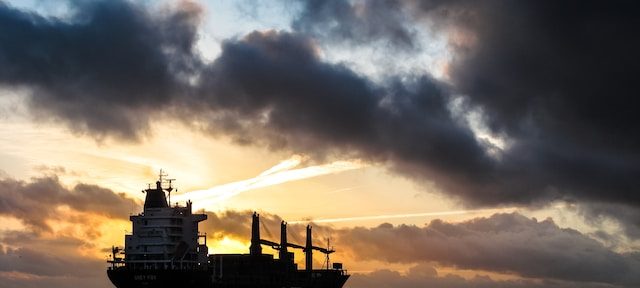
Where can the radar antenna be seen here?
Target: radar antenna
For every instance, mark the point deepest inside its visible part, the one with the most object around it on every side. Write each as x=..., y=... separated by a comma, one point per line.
x=162, y=179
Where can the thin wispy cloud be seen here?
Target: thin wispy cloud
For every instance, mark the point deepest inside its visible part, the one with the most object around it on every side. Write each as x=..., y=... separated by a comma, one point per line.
x=290, y=163
x=409, y=215
x=282, y=172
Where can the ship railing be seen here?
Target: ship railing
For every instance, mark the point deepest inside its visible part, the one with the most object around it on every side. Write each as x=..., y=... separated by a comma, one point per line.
x=164, y=226
x=157, y=264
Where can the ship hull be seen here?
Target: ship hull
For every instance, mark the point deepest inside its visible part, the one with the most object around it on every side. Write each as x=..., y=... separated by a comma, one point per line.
x=125, y=278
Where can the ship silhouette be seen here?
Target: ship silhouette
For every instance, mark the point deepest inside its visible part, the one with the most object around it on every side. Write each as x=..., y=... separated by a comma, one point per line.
x=165, y=249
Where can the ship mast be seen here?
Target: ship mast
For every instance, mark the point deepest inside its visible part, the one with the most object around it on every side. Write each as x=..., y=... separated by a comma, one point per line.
x=163, y=180
x=327, y=254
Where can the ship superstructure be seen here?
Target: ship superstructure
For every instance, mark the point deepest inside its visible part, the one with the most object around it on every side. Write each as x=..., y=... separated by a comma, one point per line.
x=165, y=237
x=165, y=249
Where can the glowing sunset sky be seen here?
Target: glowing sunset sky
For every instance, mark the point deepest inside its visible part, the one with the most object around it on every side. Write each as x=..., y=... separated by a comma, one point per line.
x=437, y=143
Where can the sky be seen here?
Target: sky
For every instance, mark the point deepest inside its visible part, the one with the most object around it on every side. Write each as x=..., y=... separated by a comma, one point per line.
x=436, y=143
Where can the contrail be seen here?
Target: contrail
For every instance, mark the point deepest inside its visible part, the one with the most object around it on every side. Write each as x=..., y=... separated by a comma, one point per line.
x=284, y=165
x=275, y=175
x=392, y=216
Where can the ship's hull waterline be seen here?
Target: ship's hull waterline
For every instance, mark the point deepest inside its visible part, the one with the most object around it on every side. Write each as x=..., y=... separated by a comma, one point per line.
x=123, y=278
x=155, y=278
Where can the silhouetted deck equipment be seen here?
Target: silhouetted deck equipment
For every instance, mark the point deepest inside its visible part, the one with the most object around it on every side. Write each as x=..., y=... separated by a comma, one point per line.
x=165, y=249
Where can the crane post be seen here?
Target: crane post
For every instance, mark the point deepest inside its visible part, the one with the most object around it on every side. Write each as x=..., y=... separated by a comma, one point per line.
x=255, y=249
x=308, y=251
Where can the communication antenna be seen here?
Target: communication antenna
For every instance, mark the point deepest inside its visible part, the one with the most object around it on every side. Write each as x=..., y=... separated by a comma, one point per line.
x=164, y=180
x=169, y=190
x=161, y=174
x=328, y=249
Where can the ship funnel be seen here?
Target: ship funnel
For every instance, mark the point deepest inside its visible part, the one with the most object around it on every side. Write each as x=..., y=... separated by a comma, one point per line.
x=283, y=241
x=255, y=249
x=155, y=197
x=308, y=251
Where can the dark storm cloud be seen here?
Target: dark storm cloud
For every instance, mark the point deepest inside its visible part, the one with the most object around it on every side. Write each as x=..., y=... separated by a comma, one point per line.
x=35, y=202
x=273, y=88
x=359, y=22
x=558, y=78
x=104, y=70
x=555, y=78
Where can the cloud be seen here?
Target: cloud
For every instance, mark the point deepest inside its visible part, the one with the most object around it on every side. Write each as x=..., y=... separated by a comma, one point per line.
x=357, y=22
x=626, y=215
x=35, y=260
x=544, y=254
x=502, y=243
x=41, y=263
x=237, y=224
x=424, y=275
x=552, y=78
x=408, y=215
x=505, y=243
x=21, y=280
x=36, y=202
x=556, y=78
x=272, y=88
x=105, y=70
x=60, y=240
x=283, y=172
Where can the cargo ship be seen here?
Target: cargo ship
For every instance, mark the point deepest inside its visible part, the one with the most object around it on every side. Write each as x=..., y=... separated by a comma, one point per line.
x=166, y=249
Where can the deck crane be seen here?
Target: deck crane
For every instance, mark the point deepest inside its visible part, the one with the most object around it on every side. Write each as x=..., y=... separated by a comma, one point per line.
x=281, y=247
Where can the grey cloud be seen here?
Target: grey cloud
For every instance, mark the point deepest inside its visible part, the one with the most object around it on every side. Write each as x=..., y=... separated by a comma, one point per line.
x=54, y=282
x=237, y=224
x=25, y=238
x=506, y=243
x=357, y=22
x=39, y=256
x=273, y=88
x=503, y=243
x=35, y=202
x=540, y=251
x=628, y=216
x=34, y=262
x=102, y=72
x=424, y=275
x=228, y=223
x=553, y=77
x=556, y=78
